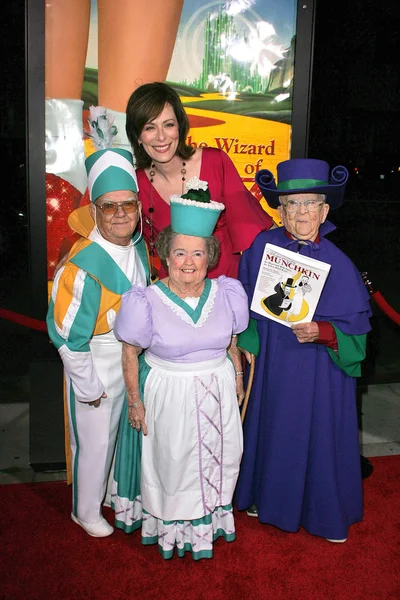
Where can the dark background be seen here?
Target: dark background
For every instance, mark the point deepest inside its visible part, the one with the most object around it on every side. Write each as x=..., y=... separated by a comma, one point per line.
x=354, y=120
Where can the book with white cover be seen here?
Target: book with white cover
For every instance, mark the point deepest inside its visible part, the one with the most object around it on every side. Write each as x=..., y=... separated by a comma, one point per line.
x=288, y=286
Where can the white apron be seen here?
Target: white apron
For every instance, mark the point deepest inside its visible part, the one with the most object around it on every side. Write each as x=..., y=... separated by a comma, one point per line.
x=192, y=453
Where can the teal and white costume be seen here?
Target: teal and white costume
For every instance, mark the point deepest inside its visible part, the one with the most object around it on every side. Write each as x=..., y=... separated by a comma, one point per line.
x=86, y=297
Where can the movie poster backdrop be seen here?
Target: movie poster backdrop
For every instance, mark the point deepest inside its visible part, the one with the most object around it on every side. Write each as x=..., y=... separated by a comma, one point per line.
x=231, y=62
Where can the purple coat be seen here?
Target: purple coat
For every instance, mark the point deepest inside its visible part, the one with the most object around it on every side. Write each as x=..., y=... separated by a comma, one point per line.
x=301, y=462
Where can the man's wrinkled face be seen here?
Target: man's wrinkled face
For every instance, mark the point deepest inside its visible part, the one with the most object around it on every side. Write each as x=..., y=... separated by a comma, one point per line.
x=117, y=227
x=303, y=214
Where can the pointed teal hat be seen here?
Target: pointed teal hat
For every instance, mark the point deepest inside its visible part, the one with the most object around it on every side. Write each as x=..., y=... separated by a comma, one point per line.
x=109, y=169
x=194, y=213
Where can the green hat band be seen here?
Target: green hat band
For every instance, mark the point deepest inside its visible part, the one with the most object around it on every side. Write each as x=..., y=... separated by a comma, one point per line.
x=300, y=184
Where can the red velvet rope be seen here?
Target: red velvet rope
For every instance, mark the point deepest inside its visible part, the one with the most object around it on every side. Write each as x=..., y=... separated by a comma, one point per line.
x=387, y=309
x=9, y=315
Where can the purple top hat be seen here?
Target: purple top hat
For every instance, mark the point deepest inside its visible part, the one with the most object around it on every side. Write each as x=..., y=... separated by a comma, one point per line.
x=303, y=175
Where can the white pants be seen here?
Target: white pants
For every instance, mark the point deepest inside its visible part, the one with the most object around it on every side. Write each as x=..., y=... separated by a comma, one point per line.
x=93, y=432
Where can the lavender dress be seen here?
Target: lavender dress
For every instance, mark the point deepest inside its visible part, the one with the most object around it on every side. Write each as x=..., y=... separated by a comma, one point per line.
x=191, y=455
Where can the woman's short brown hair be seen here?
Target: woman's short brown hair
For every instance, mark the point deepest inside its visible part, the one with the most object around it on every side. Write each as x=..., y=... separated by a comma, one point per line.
x=164, y=243
x=144, y=105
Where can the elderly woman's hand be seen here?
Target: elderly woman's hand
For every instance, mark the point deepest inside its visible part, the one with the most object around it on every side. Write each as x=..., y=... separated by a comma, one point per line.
x=240, y=393
x=236, y=357
x=136, y=416
x=306, y=332
x=248, y=355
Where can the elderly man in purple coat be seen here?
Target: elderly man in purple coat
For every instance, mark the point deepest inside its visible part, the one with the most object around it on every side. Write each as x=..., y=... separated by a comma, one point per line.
x=301, y=462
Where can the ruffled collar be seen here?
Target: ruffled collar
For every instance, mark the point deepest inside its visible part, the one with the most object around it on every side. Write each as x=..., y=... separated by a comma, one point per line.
x=194, y=316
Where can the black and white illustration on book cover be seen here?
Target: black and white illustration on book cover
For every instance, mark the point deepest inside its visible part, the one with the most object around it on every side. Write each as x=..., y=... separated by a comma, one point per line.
x=288, y=286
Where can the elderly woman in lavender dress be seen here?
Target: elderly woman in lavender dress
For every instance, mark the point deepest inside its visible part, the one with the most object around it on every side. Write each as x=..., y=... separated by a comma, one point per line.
x=183, y=392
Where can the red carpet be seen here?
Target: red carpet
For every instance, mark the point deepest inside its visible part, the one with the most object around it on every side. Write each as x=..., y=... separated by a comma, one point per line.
x=46, y=556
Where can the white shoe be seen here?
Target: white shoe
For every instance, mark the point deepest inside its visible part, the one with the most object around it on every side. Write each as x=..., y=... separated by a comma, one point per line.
x=99, y=529
x=337, y=541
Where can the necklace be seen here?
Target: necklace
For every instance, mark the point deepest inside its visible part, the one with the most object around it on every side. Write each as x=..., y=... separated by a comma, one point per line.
x=149, y=219
x=153, y=171
x=197, y=293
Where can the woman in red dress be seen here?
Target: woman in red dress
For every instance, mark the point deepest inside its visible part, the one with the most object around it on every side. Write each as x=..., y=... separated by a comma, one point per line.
x=157, y=127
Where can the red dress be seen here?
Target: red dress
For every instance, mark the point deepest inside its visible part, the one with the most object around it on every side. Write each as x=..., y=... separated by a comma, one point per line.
x=237, y=227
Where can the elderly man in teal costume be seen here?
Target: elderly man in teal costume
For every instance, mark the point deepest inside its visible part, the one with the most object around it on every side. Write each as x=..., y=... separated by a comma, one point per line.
x=85, y=300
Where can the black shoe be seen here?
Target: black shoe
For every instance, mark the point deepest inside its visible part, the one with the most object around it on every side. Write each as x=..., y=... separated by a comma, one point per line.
x=367, y=467
x=252, y=511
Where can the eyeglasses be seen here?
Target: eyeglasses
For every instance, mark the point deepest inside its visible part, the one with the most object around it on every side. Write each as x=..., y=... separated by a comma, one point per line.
x=111, y=208
x=293, y=205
